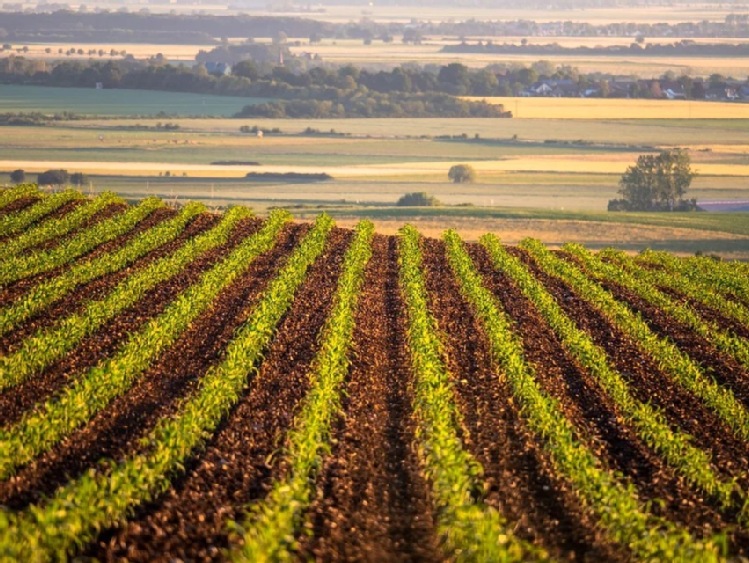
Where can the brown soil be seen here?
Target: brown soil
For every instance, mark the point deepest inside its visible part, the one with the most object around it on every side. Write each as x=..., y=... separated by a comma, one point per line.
x=372, y=503
x=115, y=431
x=722, y=367
x=647, y=381
x=590, y=409
x=75, y=300
x=190, y=521
x=109, y=211
x=18, y=205
x=18, y=288
x=520, y=479
x=97, y=346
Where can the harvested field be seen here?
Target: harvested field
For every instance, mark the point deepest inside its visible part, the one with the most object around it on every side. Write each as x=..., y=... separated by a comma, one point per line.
x=236, y=387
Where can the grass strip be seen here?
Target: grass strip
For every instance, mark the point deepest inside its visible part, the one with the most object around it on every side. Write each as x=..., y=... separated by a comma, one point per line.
x=18, y=267
x=47, y=292
x=669, y=358
x=42, y=428
x=615, y=503
x=70, y=519
x=269, y=529
x=470, y=530
x=650, y=423
x=49, y=344
x=9, y=195
x=58, y=227
x=14, y=222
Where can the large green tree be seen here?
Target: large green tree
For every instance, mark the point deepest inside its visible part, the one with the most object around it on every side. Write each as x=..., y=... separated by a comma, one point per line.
x=657, y=182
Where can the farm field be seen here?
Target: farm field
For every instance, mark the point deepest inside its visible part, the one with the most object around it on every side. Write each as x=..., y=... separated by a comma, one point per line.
x=189, y=385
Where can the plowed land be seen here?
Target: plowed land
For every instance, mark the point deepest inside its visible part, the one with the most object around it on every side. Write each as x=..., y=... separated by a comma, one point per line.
x=101, y=487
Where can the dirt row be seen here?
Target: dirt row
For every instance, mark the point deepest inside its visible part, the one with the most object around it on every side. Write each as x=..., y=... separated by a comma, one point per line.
x=115, y=431
x=17, y=205
x=521, y=482
x=190, y=521
x=18, y=288
x=103, y=342
x=650, y=384
x=372, y=502
x=75, y=300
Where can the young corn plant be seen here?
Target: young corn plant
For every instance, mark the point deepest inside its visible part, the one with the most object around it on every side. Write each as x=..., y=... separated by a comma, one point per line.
x=724, y=340
x=49, y=344
x=650, y=423
x=615, y=503
x=55, y=228
x=470, y=530
x=14, y=222
x=726, y=278
x=686, y=285
x=271, y=525
x=47, y=292
x=43, y=427
x=15, y=268
x=675, y=363
x=9, y=195
x=55, y=528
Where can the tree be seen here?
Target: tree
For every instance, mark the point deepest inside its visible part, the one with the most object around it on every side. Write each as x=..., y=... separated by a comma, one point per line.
x=50, y=177
x=78, y=179
x=18, y=176
x=656, y=183
x=418, y=199
x=462, y=174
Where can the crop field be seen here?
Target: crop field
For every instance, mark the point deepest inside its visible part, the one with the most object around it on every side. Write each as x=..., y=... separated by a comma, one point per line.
x=178, y=384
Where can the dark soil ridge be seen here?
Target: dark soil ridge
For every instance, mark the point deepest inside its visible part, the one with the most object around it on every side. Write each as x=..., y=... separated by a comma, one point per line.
x=240, y=462
x=520, y=479
x=599, y=423
x=103, y=342
x=722, y=367
x=115, y=431
x=103, y=214
x=18, y=205
x=14, y=290
x=96, y=289
x=372, y=502
x=61, y=211
x=647, y=382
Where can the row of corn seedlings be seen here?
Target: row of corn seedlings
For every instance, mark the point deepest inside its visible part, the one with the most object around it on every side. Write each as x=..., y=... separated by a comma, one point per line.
x=43, y=427
x=675, y=363
x=51, y=229
x=57, y=527
x=649, y=422
x=47, y=292
x=615, y=503
x=18, y=267
x=470, y=529
x=269, y=530
x=14, y=222
x=724, y=340
x=9, y=195
x=49, y=344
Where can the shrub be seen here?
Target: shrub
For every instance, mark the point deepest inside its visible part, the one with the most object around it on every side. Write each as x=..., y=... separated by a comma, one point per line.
x=418, y=199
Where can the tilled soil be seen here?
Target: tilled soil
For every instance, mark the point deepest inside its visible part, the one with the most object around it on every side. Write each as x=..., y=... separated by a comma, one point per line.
x=18, y=288
x=18, y=205
x=61, y=211
x=648, y=383
x=603, y=428
x=520, y=479
x=103, y=342
x=102, y=215
x=372, y=502
x=190, y=521
x=114, y=431
x=75, y=300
